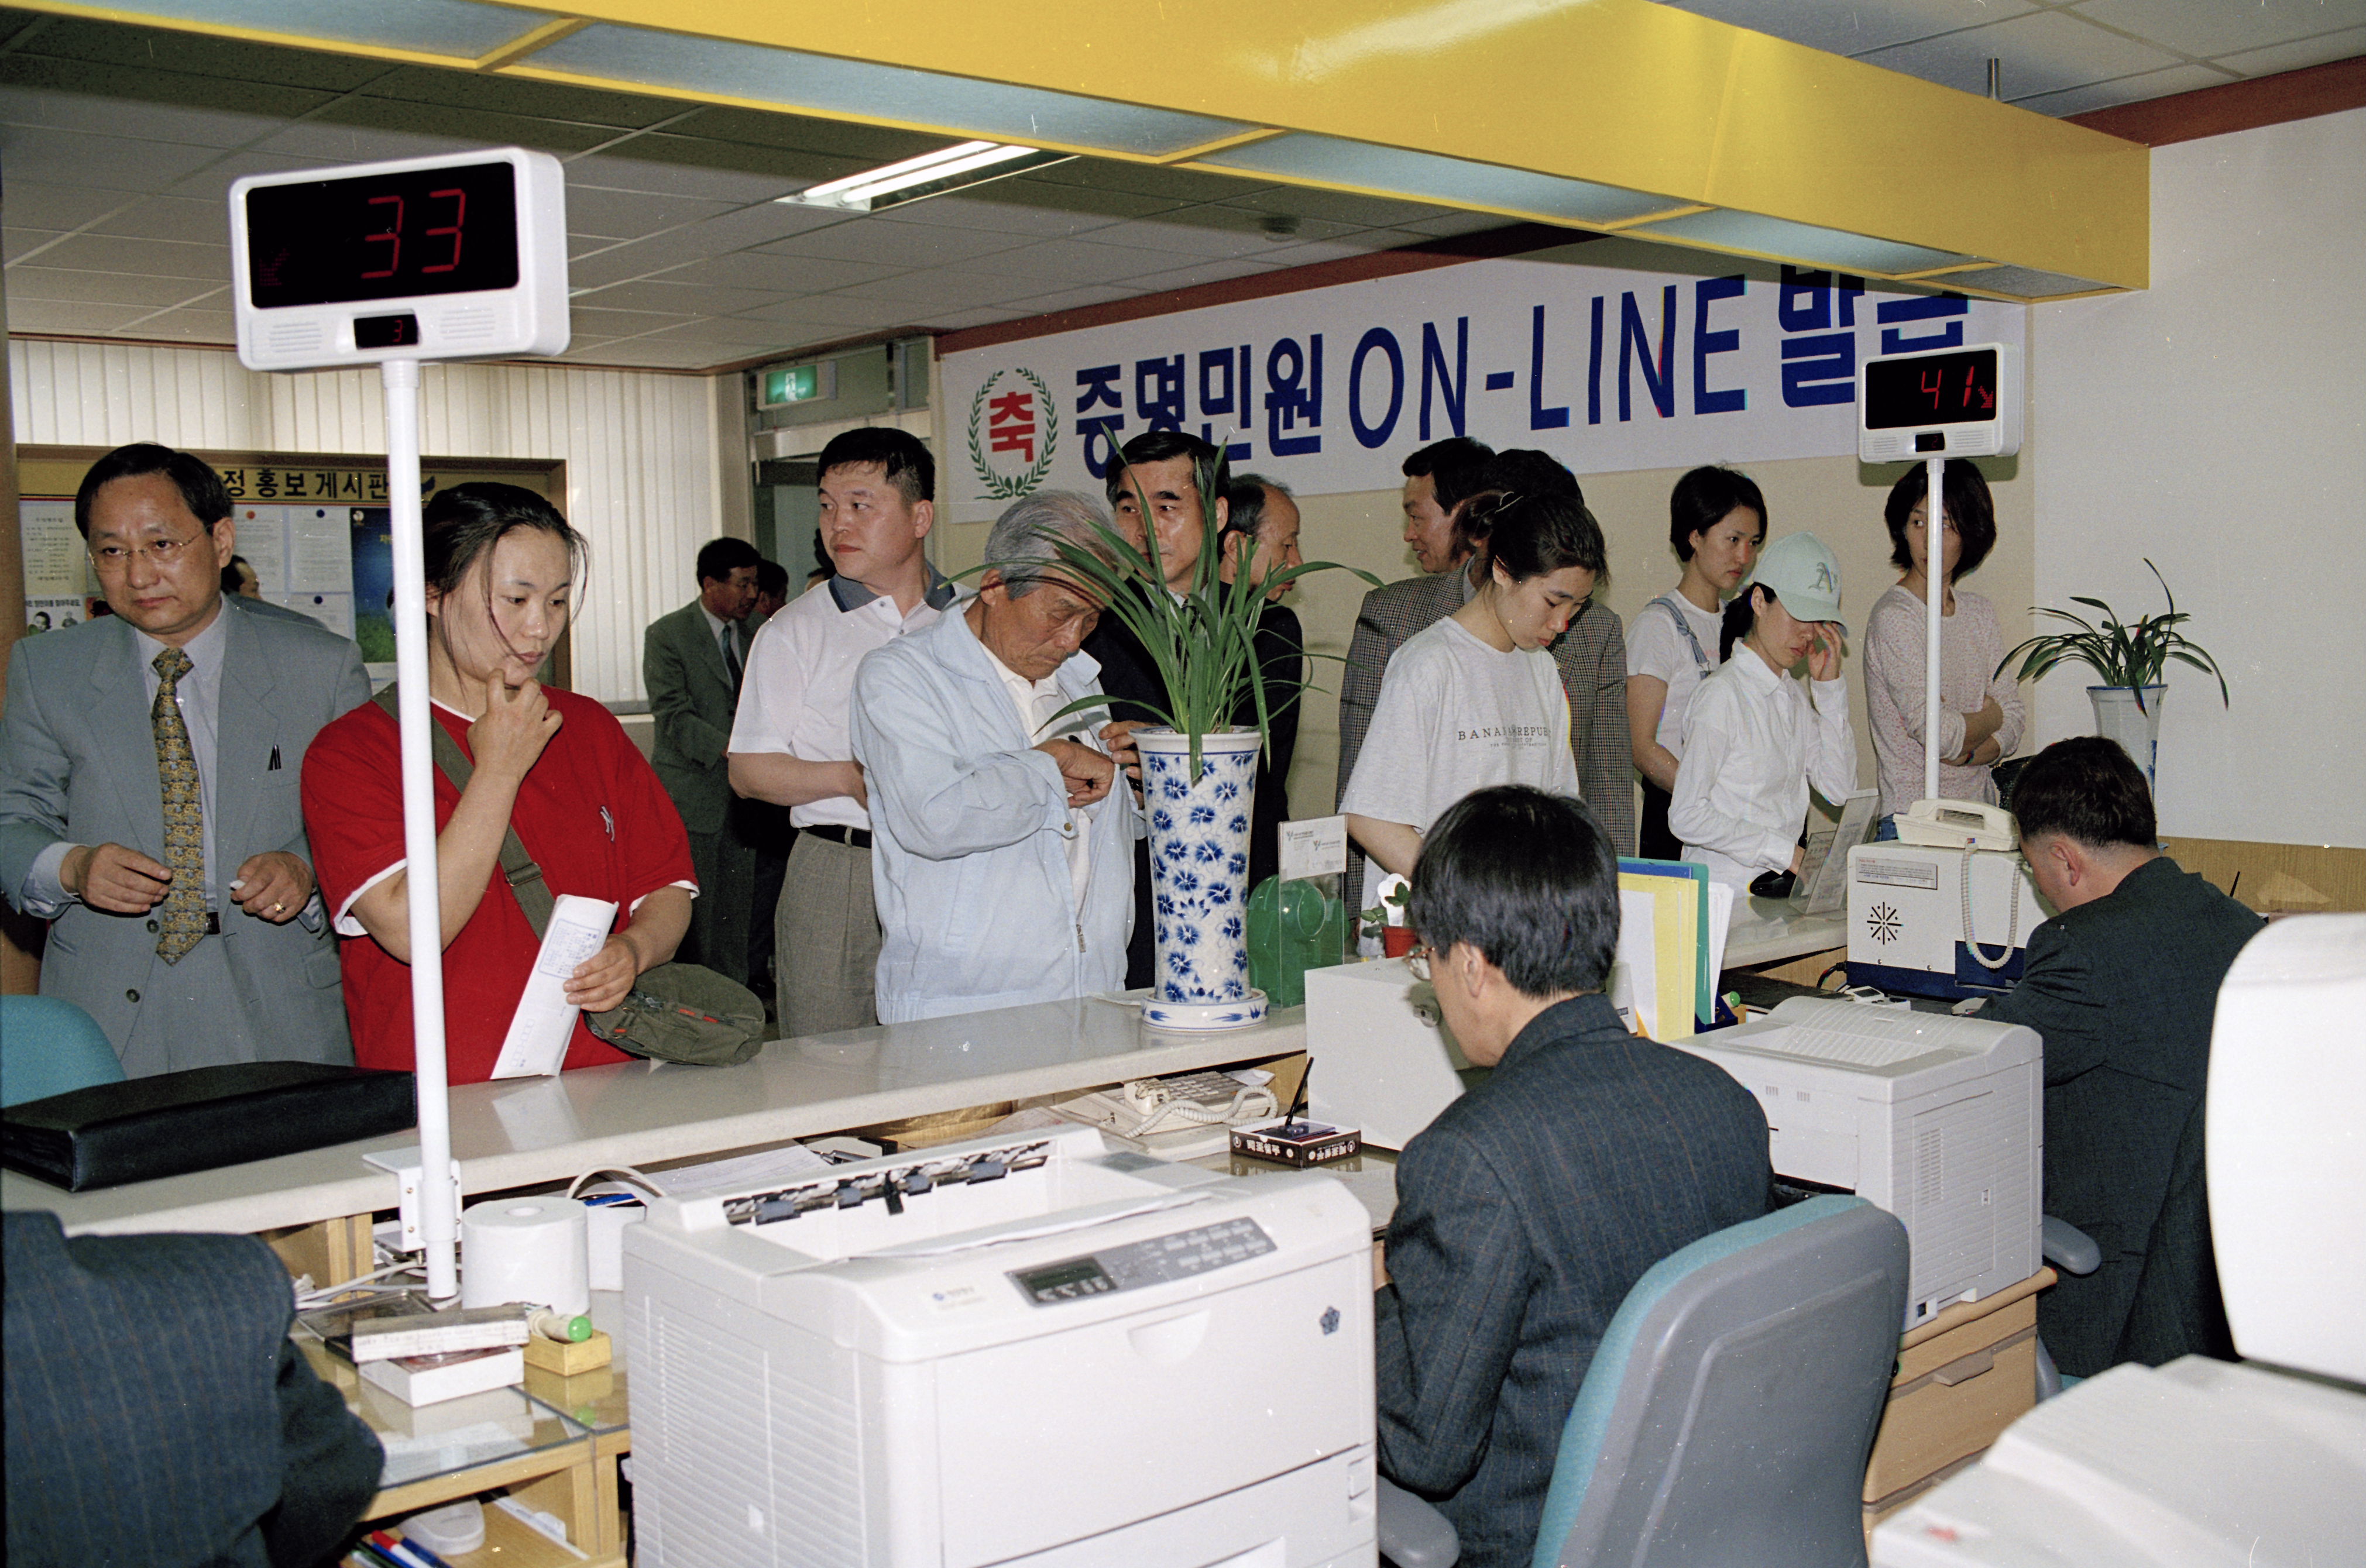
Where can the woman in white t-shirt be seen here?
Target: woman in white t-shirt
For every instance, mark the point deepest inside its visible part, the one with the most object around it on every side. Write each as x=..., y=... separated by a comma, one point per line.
x=1980, y=712
x=1476, y=699
x=1755, y=739
x=1717, y=520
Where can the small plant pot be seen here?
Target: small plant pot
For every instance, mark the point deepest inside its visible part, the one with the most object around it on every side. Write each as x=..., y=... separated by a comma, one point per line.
x=1396, y=941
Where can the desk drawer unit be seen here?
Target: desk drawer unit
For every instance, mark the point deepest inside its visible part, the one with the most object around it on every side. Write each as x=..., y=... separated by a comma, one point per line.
x=1954, y=1393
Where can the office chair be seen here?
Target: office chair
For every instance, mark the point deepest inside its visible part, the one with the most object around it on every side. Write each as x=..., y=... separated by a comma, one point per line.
x=49, y=1045
x=1724, y=1420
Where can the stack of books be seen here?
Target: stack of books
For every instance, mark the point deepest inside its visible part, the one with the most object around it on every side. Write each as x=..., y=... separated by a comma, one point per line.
x=422, y=1356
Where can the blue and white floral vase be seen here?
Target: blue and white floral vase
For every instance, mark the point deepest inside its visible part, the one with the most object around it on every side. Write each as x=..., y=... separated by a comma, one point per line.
x=1199, y=873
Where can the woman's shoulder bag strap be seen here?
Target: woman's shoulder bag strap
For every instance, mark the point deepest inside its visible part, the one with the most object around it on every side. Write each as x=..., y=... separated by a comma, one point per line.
x=524, y=876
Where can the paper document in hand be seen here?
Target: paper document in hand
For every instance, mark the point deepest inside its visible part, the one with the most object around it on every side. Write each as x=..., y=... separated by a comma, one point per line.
x=544, y=1019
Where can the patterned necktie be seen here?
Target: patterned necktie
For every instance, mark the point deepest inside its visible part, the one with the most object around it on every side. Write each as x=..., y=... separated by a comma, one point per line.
x=182, y=915
x=731, y=655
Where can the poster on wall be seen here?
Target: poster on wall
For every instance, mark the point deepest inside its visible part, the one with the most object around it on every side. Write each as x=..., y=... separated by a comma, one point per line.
x=370, y=540
x=1607, y=368
x=302, y=559
x=57, y=568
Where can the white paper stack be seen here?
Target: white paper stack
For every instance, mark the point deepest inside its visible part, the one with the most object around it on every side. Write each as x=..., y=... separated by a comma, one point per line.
x=544, y=1019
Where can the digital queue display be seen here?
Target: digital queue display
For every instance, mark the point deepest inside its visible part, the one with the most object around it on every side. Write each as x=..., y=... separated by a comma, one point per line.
x=1932, y=389
x=383, y=236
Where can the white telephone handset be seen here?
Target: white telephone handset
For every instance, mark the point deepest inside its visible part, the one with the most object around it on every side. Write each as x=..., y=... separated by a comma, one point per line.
x=1958, y=824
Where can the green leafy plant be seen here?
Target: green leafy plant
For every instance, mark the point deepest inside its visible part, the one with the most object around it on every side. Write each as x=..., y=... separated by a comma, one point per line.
x=1376, y=918
x=2124, y=654
x=1203, y=644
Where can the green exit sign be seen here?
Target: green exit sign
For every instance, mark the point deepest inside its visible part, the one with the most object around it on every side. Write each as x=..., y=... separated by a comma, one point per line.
x=798, y=384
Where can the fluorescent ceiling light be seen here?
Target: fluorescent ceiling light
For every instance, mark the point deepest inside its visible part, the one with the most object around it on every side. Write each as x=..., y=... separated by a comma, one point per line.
x=958, y=167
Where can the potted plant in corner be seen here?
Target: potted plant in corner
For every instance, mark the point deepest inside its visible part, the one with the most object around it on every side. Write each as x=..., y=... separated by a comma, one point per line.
x=1198, y=768
x=2130, y=658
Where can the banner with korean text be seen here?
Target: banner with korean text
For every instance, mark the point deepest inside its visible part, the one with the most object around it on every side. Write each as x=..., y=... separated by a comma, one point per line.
x=1327, y=391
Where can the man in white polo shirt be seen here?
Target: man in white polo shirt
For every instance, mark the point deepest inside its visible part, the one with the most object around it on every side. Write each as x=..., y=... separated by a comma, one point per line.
x=790, y=743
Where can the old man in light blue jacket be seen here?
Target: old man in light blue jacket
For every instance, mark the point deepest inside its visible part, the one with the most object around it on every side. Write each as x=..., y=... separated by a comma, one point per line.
x=1002, y=857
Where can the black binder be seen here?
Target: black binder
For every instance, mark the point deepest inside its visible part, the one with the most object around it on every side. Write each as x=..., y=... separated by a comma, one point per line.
x=147, y=1128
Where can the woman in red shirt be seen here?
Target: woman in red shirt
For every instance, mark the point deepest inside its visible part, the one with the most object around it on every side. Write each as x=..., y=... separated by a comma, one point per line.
x=502, y=565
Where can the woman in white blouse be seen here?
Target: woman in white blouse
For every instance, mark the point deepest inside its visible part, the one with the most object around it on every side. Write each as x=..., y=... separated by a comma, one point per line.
x=1980, y=712
x=1717, y=520
x=1755, y=739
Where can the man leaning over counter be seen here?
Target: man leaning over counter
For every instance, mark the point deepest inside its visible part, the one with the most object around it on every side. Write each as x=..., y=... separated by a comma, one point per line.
x=1001, y=861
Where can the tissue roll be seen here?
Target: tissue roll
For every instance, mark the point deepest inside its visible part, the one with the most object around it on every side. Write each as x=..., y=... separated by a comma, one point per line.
x=529, y=1249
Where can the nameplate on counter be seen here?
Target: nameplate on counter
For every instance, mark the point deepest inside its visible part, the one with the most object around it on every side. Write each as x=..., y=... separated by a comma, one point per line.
x=1315, y=848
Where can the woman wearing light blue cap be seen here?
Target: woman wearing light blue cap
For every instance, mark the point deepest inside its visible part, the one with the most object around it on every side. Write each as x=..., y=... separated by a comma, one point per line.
x=1755, y=738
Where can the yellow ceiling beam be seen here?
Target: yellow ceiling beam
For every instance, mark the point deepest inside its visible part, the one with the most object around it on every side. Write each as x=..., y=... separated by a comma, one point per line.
x=1618, y=93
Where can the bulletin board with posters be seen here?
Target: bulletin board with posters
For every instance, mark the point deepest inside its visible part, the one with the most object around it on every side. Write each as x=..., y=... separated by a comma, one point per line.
x=315, y=526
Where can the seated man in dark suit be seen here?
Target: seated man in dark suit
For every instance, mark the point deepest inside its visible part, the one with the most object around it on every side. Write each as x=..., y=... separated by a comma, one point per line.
x=1532, y=1204
x=2122, y=984
x=158, y=1413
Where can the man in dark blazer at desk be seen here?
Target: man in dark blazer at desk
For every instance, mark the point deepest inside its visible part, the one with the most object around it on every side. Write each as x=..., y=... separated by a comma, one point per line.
x=2123, y=984
x=149, y=808
x=158, y=1413
x=692, y=662
x=1530, y=1207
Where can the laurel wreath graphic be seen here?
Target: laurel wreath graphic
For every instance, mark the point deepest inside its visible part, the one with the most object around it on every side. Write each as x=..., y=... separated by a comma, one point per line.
x=997, y=488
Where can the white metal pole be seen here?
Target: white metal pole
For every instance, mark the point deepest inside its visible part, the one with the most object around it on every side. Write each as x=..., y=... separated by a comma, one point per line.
x=1934, y=568
x=438, y=1221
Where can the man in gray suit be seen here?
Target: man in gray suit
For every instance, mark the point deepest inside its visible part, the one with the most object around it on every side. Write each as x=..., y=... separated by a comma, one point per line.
x=692, y=662
x=149, y=803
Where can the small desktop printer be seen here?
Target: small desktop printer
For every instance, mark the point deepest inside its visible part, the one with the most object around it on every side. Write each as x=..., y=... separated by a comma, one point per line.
x=1937, y=1119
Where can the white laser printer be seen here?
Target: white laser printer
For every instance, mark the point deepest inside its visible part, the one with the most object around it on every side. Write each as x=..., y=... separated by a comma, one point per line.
x=1018, y=1349
x=1937, y=1119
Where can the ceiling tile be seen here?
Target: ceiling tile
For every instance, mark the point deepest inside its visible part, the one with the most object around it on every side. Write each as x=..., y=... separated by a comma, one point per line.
x=151, y=258
x=2347, y=44
x=101, y=288
x=840, y=312
x=1086, y=201
x=596, y=323
x=171, y=217
x=2213, y=29
x=110, y=163
x=1856, y=26
x=69, y=317
x=1073, y=299
x=876, y=241
x=993, y=217
x=191, y=326
x=212, y=183
x=762, y=224
x=730, y=329
x=630, y=215
x=1315, y=250
x=139, y=49
x=778, y=273
x=656, y=355
x=2044, y=52
x=1062, y=261
x=20, y=242
x=984, y=316
x=357, y=144
x=1194, y=276
x=1214, y=231
x=40, y=204
x=680, y=165
x=478, y=127
x=676, y=299
x=107, y=115
x=2127, y=90
x=940, y=287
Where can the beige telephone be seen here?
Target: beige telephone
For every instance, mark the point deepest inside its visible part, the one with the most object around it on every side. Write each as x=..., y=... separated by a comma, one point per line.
x=1958, y=824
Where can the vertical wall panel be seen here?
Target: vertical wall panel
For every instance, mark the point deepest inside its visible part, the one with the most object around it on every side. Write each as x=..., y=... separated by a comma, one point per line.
x=642, y=467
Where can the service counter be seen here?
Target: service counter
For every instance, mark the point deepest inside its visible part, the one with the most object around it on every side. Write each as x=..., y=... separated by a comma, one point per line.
x=531, y=1132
